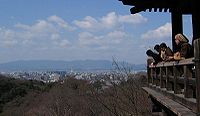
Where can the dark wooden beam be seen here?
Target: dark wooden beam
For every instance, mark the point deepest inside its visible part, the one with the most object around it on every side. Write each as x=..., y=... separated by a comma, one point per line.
x=196, y=20
x=177, y=26
x=135, y=10
x=183, y=6
x=165, y=9
x=160, y=9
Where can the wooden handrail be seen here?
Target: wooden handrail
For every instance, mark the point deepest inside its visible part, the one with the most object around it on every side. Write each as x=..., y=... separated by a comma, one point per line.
x=177, y=79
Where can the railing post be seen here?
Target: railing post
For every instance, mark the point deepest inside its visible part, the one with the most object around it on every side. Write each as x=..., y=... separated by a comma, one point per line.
x=162, y=84
x=152, y=76
x=197, y=70
x=157, y=69
x=188, y=92
x=149, y=76
x=175, y=79
x=177, y=89
x=168, y=84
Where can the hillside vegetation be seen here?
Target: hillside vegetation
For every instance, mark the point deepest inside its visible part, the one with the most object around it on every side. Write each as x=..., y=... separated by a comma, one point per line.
x=12, y=89
x=74, y=97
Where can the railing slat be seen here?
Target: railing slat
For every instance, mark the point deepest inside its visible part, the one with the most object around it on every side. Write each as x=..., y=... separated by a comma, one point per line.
x=197, y=70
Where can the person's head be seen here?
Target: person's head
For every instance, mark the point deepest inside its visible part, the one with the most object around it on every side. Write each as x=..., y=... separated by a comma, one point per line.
x=149, y=53
x=163, y=46
x=157, y=47
x=180, y=38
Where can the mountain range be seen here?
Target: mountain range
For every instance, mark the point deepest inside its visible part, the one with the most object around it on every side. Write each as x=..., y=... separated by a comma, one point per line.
x=76, y=65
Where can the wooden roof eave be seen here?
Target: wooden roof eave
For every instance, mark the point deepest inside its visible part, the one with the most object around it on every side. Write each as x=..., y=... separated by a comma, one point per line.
x=159, y=5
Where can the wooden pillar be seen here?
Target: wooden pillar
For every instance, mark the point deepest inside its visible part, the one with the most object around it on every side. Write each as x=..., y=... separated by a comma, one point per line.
x=196, y=42
x=177, y=26
x=197, y=70
x=195, y=20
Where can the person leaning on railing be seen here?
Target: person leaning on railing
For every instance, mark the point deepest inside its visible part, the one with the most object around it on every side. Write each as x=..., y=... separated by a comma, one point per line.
x=155, y=54
x=165, y=52
x=184, y=48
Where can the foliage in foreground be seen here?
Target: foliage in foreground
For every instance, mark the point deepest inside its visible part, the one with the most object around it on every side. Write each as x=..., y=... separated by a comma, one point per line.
x=12, y=89
x=82, y=98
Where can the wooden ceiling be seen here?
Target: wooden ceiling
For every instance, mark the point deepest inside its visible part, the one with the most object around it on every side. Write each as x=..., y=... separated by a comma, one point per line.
x=181, y=6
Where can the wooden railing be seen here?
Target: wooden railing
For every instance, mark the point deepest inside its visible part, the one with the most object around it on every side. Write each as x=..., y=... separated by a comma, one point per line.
x=177, y=80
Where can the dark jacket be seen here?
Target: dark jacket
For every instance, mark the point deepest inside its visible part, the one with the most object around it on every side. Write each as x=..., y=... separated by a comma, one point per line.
x=155, y=56
x=186, y=50
x=169, y=52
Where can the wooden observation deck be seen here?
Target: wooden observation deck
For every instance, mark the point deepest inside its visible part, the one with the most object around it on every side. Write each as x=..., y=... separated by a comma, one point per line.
x=174, y=87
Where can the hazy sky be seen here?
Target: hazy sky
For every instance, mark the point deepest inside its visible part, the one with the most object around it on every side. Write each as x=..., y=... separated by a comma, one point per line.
x=80, y=29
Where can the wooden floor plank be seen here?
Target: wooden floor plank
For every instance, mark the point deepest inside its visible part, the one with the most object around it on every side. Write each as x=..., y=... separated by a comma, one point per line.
x=175, y=107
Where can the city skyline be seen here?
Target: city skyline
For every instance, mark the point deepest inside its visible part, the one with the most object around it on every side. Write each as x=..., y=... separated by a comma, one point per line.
x=78, y=30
